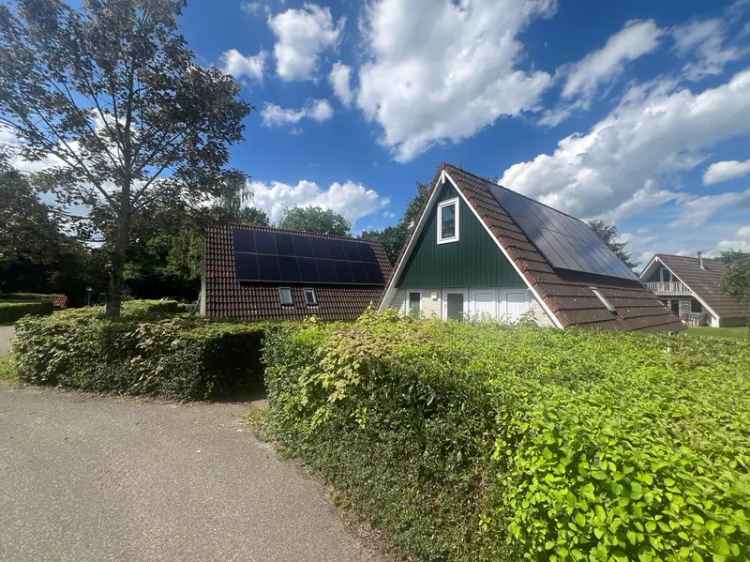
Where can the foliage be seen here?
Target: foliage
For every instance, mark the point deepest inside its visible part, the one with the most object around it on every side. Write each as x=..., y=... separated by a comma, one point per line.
x=315, y=219
x=393, y=238
x=8, y=371
x=478, y=442
x=112, y=96
x=148, y=351
x=740, y=332
x=609, y=235
x=10, y=312
x=736, y=281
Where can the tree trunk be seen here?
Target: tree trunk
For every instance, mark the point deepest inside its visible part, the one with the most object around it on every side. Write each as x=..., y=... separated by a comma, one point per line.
x=117, y=266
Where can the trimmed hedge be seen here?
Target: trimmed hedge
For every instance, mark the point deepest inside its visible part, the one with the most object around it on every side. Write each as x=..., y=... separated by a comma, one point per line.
x=10, y=312
x=470, y=442
x=142, y=353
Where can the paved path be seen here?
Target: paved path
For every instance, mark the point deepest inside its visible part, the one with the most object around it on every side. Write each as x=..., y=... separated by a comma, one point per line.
x=91, y=478
x=6, y=337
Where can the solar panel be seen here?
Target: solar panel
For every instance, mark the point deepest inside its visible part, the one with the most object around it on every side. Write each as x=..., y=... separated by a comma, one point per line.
x=566, y=242
x=281, y=257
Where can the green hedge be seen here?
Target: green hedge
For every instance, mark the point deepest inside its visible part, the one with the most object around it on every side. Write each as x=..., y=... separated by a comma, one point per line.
x=178, y=358
x=10, y=312
x=30, y=296
x=468, y=442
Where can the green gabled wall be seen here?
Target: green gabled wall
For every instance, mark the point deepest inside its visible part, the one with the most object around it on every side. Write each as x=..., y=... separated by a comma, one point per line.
x=473, y=261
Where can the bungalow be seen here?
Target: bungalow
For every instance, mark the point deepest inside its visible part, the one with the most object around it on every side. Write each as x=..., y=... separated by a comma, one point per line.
x=691, y=288
x=482, y=251
x=258, y=273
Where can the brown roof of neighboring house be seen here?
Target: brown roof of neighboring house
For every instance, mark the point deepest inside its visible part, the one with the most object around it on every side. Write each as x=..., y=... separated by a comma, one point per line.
x=706, y=283
x=227, y=299
x=567, y=294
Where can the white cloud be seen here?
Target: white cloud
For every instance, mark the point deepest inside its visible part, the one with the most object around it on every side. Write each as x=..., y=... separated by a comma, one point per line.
x=276, y=116
x=240, y=66
x=725, y=170
x=627, y=160
x=340, y=79
x=352, y=200
x=704, y=41
x=443, y=70
x=698, y=210
x=634, y=40
x=741, y=243
x=301, y=36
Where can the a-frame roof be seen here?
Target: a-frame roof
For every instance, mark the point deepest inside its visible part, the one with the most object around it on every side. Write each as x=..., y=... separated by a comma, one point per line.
x=566, y=295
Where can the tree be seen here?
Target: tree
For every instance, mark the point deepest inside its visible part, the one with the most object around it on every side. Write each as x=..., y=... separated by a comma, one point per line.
x=393, y=238
x=736, y=280
x=609, y=234
x=315, y=219
x=112, y=97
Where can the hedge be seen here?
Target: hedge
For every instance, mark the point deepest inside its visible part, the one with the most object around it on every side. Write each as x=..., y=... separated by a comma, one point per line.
x=469, y=442
x=10, y=312
x=142, y=353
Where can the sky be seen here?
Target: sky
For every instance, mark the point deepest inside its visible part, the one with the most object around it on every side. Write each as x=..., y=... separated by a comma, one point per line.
x=636, y=112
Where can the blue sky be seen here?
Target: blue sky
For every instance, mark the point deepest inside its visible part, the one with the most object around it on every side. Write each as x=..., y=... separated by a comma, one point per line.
x=635, y=112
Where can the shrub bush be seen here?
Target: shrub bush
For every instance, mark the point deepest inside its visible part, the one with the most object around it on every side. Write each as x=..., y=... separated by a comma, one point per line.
x=10, y=312
x=177, y=358
x=470, y=442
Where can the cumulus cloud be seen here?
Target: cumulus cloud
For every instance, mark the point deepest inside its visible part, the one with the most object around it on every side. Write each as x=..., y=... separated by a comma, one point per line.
x=423, y=88
x=704, y=41
x=340, y=79
x=276, y=116
x=625, y=162
x=696, y=211
x=301, y=36
x=725, y=171
x=352, y=200
x=241, y=66
x=741, y=242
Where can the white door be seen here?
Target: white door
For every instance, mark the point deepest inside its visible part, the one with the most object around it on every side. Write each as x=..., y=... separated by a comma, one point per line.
x=517, y=304
x=455, y=305
x=484, y=305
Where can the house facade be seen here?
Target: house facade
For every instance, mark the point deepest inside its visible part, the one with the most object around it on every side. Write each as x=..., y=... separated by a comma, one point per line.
x=691, y=288
x=483, y=252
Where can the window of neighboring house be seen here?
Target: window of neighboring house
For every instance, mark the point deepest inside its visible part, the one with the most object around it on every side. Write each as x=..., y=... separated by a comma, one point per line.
x=448, y=221
x=285, y=296
x=311, y=299
x=695, y=306
x=415, y=304
x=603, y=300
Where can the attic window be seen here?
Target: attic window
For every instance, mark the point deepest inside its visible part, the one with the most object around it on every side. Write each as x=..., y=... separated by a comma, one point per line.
x=604, y=301
x=311, y=298
x=448, y=221
x=285, y=296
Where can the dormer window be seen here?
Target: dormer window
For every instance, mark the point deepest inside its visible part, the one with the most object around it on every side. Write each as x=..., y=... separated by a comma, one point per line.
x=285, y=296
x=448, y=221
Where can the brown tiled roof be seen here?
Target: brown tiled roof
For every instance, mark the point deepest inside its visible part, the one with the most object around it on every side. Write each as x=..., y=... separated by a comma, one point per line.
x=227, y=299
x=706, y=283
x=566, y=293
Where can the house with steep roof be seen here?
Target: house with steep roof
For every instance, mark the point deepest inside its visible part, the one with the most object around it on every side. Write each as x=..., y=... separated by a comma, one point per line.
x=691, y=288
x=254, y=273
x=482, y=251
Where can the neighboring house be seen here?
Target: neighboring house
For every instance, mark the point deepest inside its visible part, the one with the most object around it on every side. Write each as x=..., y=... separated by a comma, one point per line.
x=482, y=251
x=691, y=288
x=260, y=273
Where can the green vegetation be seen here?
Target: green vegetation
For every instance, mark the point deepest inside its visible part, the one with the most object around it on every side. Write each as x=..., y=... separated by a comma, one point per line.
x=469, y=442
x=740, y=333
x=10, y=312
x=8, y=371
x=148, y=351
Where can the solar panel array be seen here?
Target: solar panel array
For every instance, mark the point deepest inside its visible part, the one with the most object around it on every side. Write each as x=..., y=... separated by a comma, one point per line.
x=566, y=242
x=279, y=257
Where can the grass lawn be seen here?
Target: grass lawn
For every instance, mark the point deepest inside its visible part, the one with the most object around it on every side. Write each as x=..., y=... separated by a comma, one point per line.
x=8, y=369
x=737, y=333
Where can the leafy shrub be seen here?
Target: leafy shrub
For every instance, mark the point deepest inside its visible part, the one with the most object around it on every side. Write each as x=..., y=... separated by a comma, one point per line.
x=470, y=442
x=10, y=312
x=175, y=358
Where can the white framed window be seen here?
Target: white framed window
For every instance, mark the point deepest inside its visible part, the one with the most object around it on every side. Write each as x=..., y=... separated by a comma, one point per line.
x=285, y=296
x=608, y=305
x=414, y=304
x=448, y=221
x=311, y=299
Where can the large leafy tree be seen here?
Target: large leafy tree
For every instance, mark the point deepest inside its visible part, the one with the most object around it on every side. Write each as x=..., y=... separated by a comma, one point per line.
x=111, y=97
x=609, y=235
x=315, y=219
x=736, y=280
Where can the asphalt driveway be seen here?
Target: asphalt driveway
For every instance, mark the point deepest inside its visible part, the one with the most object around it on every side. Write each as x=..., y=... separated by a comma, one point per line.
x=92, y=478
